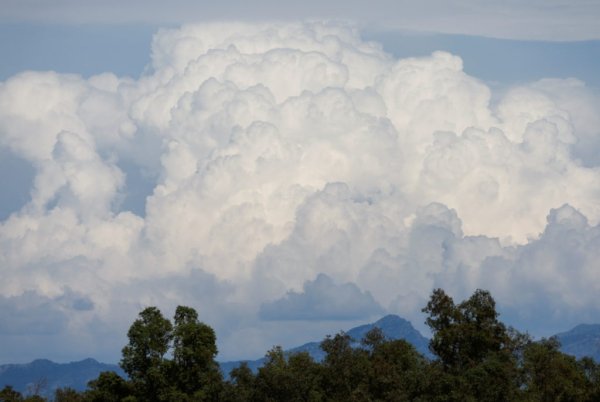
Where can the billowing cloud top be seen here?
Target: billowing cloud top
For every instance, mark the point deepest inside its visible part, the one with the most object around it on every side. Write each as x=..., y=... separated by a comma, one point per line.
x=252, y=158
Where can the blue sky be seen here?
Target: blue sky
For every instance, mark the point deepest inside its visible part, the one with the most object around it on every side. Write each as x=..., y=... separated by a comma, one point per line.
x=289, y=179
x=124, y=49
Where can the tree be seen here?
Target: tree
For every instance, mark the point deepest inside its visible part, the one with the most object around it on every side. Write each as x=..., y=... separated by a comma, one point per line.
x=346, y=369
x=397, y=369
x=35, y=389
x=591, y=371
x=477, y=353
x=34, y=398
x=108, y=387
x=191, y=375
x=194, y=369
x=67, y=394
x=466, y=334
x=144, y=357
x=8, y=394
x=552, y=376
x=296, y=378
x=241, y=387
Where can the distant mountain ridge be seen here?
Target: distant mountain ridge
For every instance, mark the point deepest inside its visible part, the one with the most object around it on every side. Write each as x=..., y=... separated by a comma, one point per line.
x=582, y=340
x=392, y=326
x=48, y=376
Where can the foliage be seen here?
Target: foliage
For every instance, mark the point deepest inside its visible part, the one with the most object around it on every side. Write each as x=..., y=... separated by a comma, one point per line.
x=346, y=369
x=242, y=385
x=144, y=357
x=8, y=394
x=192, y=374
x=193, y=370
x=108, y=387
x=478, y=354
x=67, y=394
x=293, y=378
x=477, y=358
x=553, y=376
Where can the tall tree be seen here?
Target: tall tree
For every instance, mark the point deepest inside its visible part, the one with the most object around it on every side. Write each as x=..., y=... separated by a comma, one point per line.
x=465, y=334
x=144, y=356
x=195, y=371
x=477, y=353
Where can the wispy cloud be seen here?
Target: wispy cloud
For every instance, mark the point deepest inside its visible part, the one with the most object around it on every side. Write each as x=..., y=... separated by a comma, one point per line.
x=531, y=19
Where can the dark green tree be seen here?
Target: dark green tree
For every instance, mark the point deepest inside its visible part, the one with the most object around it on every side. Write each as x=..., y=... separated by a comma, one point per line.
x=478, y=354
x=346, y=369
x=241, y=386
x=144, y=356
x=35, y=398
x=67, y=394
x=273, y=380
x=465, y=334
x=296, y=377
x=552, y=376
x=397, y=369
x=194, y=371
x=591, y=371
x=9, y=394
x=108, y=387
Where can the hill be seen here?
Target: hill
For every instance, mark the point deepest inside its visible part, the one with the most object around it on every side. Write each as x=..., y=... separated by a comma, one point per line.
x=44, y=376
x=393, y=327
x=583, y=340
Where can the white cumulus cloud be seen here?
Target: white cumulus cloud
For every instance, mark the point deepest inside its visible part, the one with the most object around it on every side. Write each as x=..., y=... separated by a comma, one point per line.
x=274, y=154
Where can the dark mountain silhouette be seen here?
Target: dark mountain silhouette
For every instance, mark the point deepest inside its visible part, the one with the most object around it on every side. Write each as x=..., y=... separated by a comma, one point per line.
x=44, y=376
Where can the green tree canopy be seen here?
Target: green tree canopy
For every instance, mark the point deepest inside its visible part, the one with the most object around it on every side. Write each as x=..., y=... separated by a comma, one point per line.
x=143, y=357
x=477, y=353
x=191, y=373
x=195, y=372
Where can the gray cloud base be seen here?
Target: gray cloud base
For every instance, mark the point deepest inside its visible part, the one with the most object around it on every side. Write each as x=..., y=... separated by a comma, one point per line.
x=323, y=299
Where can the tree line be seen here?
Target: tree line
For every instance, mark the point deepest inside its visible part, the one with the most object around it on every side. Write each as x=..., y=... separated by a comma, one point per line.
x=477, y=358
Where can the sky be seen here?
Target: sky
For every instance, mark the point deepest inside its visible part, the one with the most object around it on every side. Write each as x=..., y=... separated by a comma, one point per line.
x=293, y=169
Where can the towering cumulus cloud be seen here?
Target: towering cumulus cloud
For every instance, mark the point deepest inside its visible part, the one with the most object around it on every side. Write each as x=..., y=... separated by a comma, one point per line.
x=259, y=172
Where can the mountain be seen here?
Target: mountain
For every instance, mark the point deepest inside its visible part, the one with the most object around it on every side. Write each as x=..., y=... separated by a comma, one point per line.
x=392, y=326
x=583, y=340
x=395, y=327
x=44, y=376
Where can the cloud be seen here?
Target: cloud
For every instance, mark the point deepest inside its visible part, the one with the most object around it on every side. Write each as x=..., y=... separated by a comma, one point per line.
x=16, y=176
x=323, y=299
x=33, y=314
x=554, y=274
x=251, y=159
